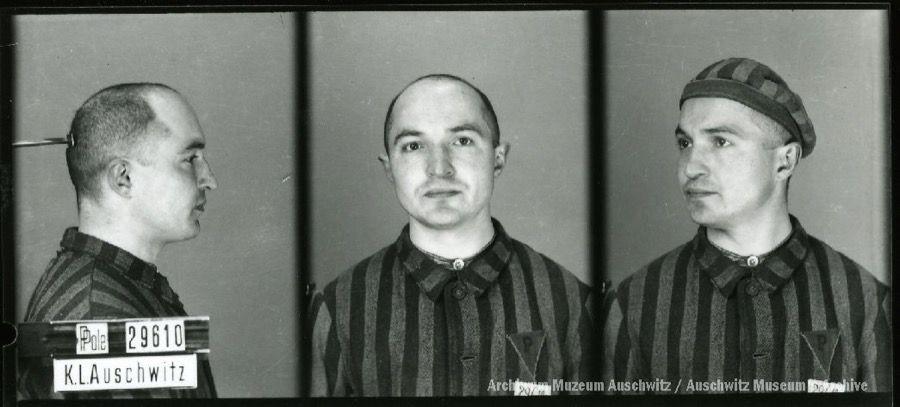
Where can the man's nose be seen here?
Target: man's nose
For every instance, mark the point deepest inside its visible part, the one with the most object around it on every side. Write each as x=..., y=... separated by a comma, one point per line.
x=206, y=179
x=439, y=164
x=695, y=163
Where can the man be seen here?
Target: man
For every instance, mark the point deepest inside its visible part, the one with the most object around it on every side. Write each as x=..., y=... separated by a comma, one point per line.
x=136, y=159
x=753, y=302
x=454, y=306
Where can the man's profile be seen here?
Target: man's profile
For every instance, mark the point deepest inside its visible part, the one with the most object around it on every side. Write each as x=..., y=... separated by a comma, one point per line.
x=753, y=298
x=136, y=159
x=454, y=306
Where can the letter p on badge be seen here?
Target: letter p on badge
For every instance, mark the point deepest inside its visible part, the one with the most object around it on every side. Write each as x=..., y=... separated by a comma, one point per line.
x=92, y=338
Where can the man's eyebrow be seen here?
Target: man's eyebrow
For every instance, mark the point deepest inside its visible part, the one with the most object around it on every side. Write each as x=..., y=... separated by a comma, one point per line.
x=722, y=129
x=406, y=133
x=196, y=145
x=679, y=132
x=468, y=127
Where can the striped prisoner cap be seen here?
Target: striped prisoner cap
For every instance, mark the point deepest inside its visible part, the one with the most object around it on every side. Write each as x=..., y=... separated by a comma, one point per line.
x=759, y=87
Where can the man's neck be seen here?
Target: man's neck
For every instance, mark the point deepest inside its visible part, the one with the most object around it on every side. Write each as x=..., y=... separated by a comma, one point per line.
x=119, y=233
x=753, y=238
x=460, y=242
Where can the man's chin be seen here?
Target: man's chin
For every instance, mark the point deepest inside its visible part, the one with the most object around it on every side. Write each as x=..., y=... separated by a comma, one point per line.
x=701, y=216
x=191, y=232
x=706, y=219
x=442, y=220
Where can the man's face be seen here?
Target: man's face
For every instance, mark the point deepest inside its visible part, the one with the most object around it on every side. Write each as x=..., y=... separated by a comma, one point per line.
x=441, y=156
x=727, y=164
x=171, y=180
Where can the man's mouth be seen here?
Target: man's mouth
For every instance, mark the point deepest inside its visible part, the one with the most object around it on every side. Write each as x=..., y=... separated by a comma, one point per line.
x=697, y=192
x=200, y=207
x=441, y=193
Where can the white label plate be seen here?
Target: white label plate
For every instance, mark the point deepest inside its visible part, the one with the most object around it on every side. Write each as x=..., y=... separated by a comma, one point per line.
x=530, y=389
x=91, y=338
x=822, y=386
x=124, y=373
x=154, y=336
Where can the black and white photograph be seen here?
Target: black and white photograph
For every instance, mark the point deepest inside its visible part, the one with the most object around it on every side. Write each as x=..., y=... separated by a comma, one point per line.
x=341, y=203
x=170, y=194
x=449, y=202
x=748, y=201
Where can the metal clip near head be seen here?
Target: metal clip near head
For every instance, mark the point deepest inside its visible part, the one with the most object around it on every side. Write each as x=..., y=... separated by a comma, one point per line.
x=70, y=140
x=44, y=142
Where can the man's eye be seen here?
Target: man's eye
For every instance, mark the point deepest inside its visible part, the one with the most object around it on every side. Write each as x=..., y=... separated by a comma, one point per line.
x=683, y=143
x=411, y=146
x=464, y=141
x=721, y=142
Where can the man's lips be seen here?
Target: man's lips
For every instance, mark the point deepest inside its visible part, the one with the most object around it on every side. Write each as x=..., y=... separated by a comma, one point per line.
x=697, y=192
x=200, y=207
x=441, y=193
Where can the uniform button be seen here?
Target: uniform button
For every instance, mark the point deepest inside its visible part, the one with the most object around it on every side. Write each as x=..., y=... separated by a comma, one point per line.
x=752, y=261
x=460, y=291
x=458, y=264
x=752, y=289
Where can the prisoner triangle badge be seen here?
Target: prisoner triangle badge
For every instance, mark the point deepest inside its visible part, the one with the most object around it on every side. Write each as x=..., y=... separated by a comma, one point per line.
x=528, y=346
x=822, y=343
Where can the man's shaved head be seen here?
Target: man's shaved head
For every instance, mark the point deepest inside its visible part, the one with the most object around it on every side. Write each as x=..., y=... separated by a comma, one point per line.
x=486, y=107
x=113, y=122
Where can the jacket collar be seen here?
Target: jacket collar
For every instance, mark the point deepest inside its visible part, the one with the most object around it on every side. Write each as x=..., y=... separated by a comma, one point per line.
x=775, y=270
x=478, y=275
x=124, y=262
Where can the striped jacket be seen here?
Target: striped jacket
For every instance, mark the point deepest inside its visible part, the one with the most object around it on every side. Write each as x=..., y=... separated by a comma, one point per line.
x=805, y=312
x=398, y=324
x=92, y=279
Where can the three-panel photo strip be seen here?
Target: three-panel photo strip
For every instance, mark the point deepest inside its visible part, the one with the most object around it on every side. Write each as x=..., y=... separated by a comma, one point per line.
x=588, y=203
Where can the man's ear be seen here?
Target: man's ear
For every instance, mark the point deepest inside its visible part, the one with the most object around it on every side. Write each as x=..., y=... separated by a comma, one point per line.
x=786, y=159
x=386, y=163
x=500, y=154
x=118, y=177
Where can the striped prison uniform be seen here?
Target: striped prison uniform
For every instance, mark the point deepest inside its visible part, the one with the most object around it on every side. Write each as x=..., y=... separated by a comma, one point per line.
x=93, y=279
x=804, y=312
x=398, y=324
